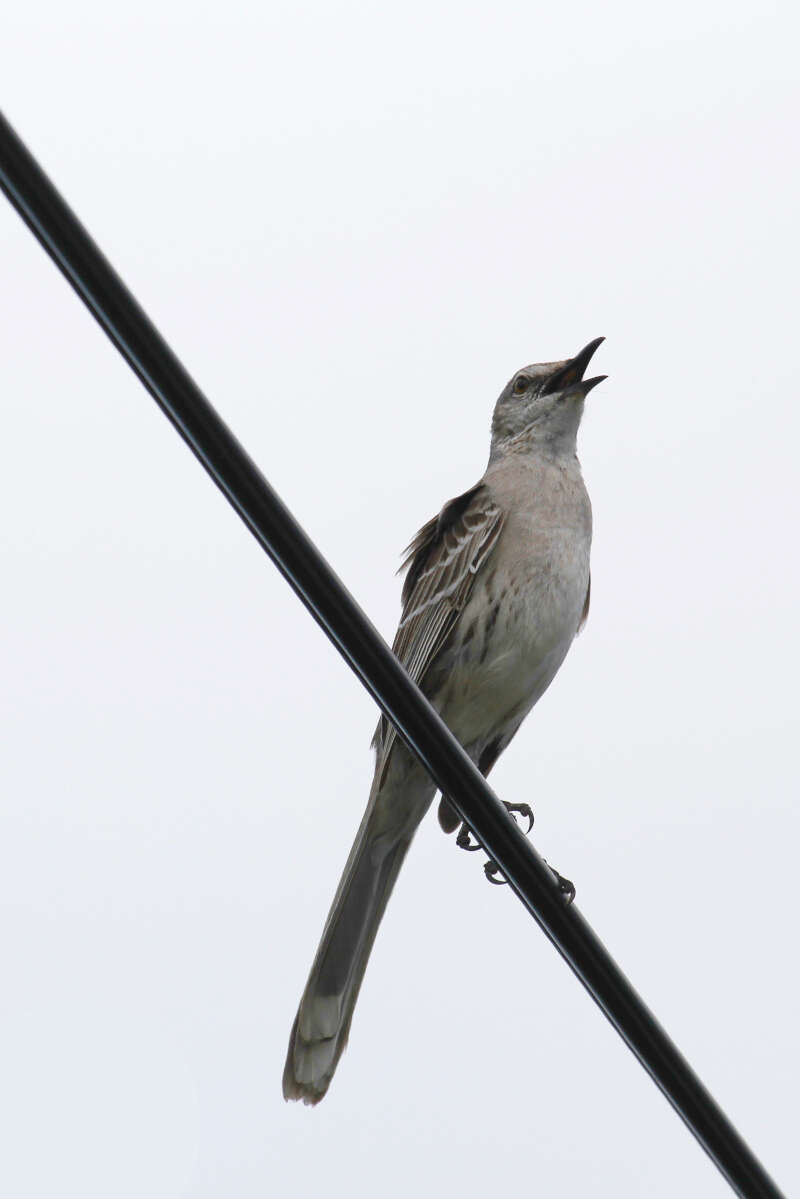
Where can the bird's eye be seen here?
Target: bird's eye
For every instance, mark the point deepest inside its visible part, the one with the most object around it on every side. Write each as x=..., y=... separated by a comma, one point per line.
x=521, y=383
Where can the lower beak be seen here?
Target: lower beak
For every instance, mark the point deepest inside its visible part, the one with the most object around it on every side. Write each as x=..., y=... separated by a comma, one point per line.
x=583, y=386
x=573, y=371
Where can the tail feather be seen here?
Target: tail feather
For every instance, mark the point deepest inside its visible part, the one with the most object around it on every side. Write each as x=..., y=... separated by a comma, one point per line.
x=322, y=1024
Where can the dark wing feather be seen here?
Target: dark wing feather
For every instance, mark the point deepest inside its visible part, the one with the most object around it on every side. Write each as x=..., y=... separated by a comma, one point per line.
x=442, y=562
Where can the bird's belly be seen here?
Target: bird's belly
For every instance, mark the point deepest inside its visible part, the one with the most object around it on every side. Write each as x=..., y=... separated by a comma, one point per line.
x=513, y=637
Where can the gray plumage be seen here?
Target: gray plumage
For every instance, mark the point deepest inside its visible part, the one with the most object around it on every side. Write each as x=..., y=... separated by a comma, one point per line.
x=496, y=589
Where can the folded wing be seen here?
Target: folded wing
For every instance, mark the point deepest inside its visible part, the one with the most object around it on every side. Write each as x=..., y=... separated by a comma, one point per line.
x=442, y=562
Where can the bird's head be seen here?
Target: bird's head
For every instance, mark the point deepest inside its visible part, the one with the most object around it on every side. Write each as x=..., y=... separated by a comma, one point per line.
x=542, y=405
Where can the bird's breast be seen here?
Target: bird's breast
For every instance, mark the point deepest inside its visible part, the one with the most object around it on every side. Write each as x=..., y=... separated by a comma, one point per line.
x=517, y=626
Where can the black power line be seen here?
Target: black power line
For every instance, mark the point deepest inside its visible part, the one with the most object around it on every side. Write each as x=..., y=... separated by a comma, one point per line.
x=140, y=343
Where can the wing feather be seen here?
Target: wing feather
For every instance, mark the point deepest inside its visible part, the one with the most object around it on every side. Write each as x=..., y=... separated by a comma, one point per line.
x=442, y=562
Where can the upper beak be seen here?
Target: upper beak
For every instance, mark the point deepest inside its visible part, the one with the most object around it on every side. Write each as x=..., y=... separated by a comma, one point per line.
x=573, y=371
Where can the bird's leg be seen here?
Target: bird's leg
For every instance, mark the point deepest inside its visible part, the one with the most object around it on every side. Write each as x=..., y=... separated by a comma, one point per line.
x=465, y=835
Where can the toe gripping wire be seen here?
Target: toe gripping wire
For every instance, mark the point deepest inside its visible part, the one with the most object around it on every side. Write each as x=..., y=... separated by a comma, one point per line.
x=467, y=840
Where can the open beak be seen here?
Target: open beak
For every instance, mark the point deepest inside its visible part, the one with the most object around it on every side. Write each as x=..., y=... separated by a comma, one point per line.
x=572, y=372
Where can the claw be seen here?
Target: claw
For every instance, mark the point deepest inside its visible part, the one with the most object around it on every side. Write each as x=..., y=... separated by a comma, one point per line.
x=463, y=840
x=466, y=840
x=566, y=887
x=525, y=810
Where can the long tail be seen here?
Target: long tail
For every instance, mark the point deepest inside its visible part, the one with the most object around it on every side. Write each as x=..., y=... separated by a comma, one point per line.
x=322, y=1024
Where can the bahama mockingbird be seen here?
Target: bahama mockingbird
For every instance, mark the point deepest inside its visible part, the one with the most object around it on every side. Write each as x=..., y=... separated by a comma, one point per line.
x=496, y=590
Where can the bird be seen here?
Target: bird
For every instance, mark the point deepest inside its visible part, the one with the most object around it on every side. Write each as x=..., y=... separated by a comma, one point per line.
x=496, y=588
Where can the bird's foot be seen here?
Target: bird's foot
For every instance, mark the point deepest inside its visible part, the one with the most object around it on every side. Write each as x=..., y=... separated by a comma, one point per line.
x=466, y=838
x=565, y=887
x=525, y=810
x=492, y=872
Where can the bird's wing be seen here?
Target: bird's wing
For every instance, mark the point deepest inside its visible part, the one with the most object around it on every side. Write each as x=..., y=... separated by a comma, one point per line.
x=442, y=562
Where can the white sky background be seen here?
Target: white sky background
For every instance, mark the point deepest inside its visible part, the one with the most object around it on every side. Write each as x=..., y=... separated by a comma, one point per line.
x=353, y=223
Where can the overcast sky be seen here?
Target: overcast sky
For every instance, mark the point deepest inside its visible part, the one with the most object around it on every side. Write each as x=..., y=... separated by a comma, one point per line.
x=353, y=222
